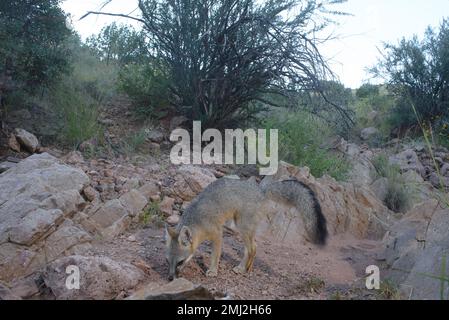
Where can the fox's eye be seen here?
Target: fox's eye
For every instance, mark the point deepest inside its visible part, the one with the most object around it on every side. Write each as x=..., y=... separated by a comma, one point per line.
x=179, y=263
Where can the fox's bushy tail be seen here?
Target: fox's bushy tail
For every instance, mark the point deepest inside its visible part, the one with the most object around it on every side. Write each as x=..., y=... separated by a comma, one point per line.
x=295, y=193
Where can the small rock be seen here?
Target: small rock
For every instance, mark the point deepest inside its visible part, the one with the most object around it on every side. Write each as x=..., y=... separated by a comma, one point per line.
x=166, y=206
x=108, y=173
x=106, y=122
x=445, y=169
x=74, y=157
x=90, y=193
x=132, y=238
x=13, y=144
x=155, y=198
x=88, y=145
x=149, y=190
x=155, y=136
x=27, y=140
x=173, y=220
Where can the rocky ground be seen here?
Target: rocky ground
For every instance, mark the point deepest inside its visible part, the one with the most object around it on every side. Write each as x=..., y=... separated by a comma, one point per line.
x=104, y=212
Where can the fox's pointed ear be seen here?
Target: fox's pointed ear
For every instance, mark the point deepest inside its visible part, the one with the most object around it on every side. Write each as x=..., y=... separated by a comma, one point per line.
x=185, y=236
x=170, y=230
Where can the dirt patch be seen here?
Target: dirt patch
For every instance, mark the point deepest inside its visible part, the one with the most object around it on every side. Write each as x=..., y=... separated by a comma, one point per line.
x=282, y=270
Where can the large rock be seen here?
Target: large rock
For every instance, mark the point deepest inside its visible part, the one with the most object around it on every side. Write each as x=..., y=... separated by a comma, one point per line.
x=100, y=278
x=415, y=249
x=191, y=180
x=408, y=160
x=178, y=289
x=348, y=208
x=27, y=140
x=38, y=196
x=360, y=160
x=114, y=217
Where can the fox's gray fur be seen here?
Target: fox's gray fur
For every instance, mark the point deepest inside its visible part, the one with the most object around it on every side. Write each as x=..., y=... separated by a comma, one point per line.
x=246, y=203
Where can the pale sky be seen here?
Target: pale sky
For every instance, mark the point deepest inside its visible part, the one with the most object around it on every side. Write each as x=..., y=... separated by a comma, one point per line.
x=360, y=35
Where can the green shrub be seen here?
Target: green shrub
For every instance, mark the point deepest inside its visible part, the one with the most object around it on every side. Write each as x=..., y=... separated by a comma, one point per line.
x=301, y=136
x=147, y=85
x=79, y=95
x=133, y=142
x=153, y=214
x=78, y=114
x=397, y=195
x=97, y=79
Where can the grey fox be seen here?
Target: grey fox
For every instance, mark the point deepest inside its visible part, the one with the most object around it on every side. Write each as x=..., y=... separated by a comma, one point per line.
x=246, y=203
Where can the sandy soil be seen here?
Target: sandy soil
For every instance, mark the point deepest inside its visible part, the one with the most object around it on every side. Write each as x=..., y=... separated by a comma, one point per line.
x=282, y=270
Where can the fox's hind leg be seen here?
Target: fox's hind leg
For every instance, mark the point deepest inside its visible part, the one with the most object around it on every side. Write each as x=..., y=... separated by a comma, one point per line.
x=246, y=264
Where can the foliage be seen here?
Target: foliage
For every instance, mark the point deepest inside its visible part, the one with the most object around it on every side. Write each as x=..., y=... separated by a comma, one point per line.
x=367, y=90
x=32, y=37
x=224, y=55
x=397, y=196
x=301, y=136
x=153, y=214
x=78, y=113
x=374, y=107
x=78, y=95
x=318, y=104
x=119, y=43
x=418, y=72
x=148, y=86
x=134, y=141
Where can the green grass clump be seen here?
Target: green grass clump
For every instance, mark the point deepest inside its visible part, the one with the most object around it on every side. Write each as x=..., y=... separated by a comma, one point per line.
x=397, y=195
x=301, y=136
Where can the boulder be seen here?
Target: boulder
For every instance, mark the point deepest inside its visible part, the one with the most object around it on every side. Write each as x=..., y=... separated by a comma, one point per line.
x=38, y=196
x=178, y=289
x=408, y=160
x=101, y=278
x=191, y=180
x=360, y=160
x=415, y=249
x=26, y=139
x=347, y=208
x=114, y=217
x=380, y=188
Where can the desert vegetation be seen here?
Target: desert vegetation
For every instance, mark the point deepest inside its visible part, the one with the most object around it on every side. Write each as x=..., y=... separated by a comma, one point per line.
x=106, y=104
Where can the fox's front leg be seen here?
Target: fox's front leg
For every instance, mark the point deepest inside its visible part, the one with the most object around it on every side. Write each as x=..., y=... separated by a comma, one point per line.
x=215, y=257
